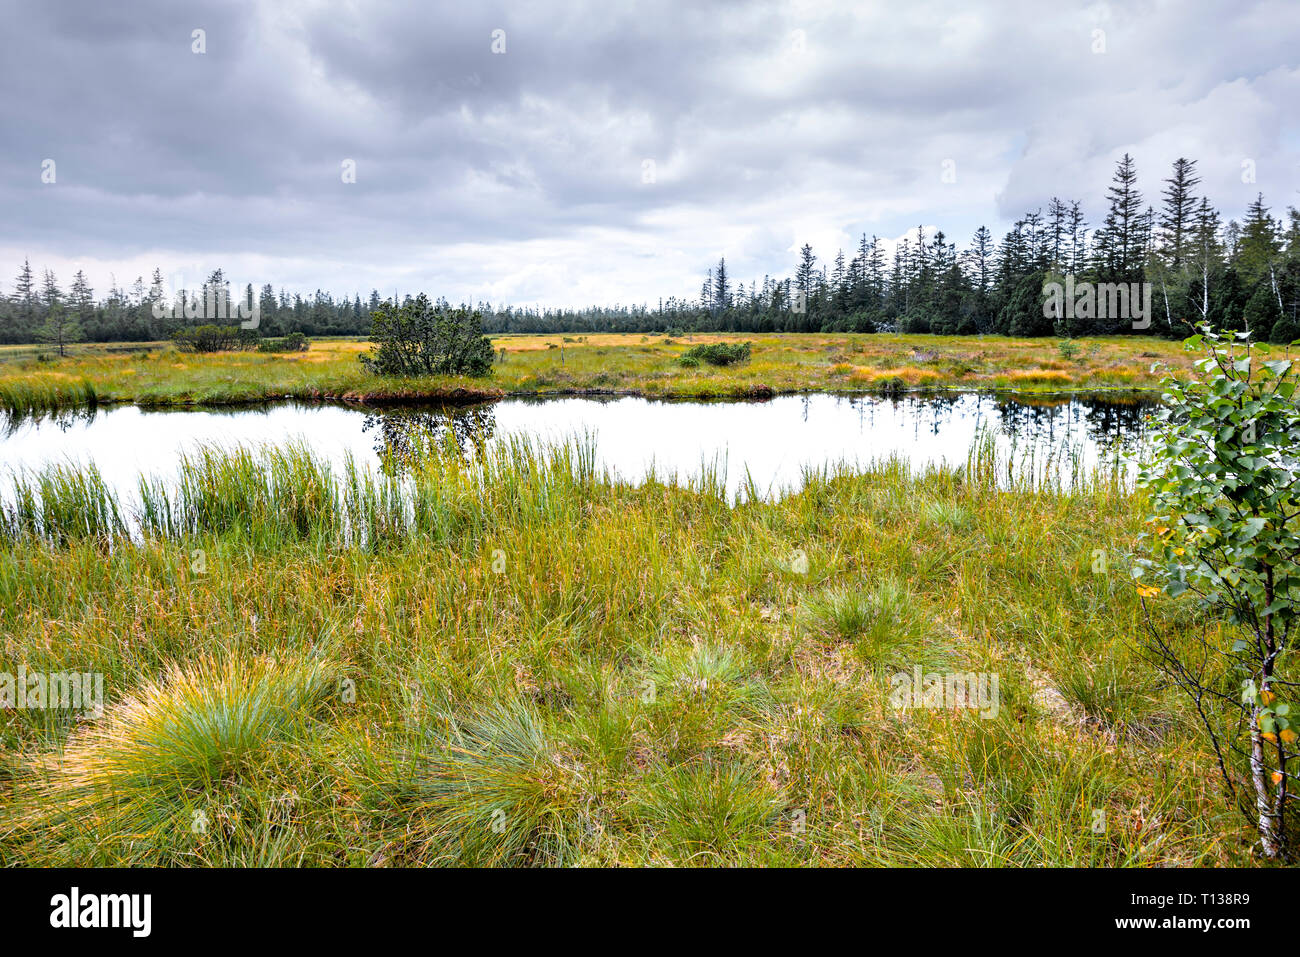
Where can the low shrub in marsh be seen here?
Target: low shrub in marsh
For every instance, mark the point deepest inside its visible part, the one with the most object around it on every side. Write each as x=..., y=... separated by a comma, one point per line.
x=420, y=337
x=215, y=338
x=890, y=385
x=718, y=354
x=293, y=342
x=1068, y=349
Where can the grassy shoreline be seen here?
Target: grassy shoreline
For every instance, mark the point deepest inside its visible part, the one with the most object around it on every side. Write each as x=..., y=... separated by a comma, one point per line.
x=522, y=661
x=155, y=375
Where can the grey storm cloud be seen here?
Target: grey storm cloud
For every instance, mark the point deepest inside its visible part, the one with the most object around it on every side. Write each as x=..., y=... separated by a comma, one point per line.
x=522, y=176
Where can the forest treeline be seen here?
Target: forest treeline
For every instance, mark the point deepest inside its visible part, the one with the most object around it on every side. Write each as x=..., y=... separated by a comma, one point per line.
x=1239, y=274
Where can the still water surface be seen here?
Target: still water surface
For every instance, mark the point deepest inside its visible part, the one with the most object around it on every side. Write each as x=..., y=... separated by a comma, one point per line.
x=772, y=441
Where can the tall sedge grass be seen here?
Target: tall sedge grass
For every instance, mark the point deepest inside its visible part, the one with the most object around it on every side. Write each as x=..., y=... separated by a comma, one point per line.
x=505, y=656
x=60, y=504
x=277, y=494
x=280, y=494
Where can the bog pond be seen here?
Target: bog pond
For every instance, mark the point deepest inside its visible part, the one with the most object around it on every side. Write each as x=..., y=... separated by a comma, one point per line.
x=767, y=443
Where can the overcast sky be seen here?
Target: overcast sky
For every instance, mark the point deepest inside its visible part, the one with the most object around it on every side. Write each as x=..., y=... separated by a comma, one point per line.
x=613, y=151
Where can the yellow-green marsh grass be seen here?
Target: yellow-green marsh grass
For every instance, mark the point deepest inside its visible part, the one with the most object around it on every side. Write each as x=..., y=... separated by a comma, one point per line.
x=537, y=664
x=154, y=374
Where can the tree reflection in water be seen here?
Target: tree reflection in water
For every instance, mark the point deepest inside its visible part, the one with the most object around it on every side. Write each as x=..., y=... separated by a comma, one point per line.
x=404, y=434
x=1112, y=422
x=62, y=419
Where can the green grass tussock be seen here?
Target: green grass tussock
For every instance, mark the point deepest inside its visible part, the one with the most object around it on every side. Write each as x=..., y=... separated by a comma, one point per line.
x=145, y=774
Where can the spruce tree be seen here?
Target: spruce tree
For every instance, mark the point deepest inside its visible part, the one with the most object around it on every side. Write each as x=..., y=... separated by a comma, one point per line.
x=51, y=294
x=1259, y=244
x=25, y=290
x=721, y=287
x=81, y=296
x=1057, y=230
x=1122, y=236
x=1179, y=212
x=804, y=275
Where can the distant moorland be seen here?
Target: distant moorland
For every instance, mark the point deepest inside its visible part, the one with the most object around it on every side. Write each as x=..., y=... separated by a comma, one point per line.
x=156, y=374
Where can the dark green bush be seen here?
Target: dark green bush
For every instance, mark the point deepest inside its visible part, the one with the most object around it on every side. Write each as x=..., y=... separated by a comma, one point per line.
x=421, y=338
x=1285, y=331
x=215, y=338
x=293, y=342
x=717, y=354
x=916, y=321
